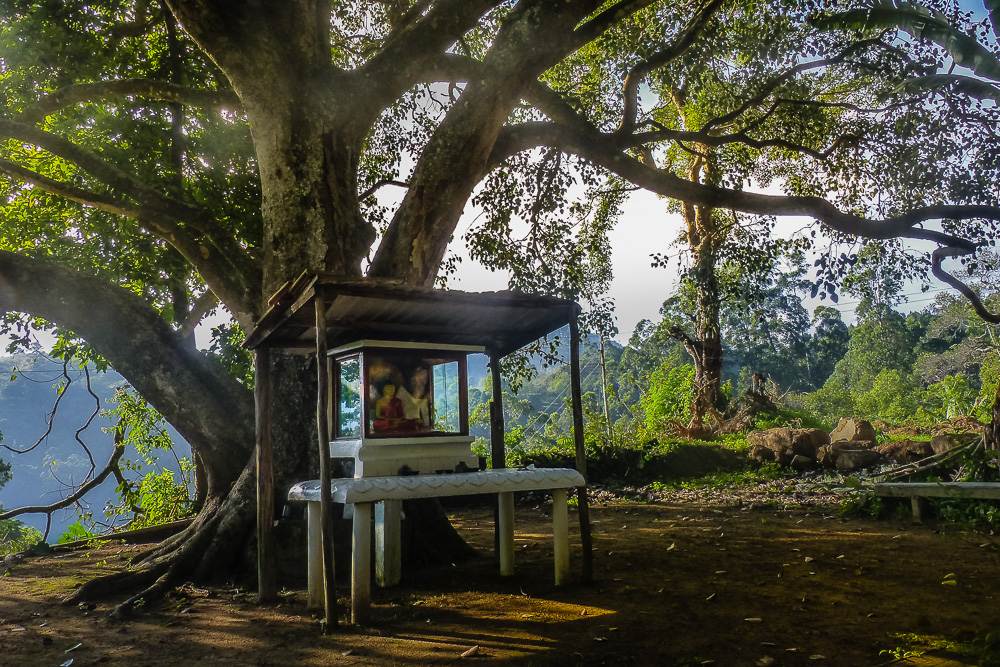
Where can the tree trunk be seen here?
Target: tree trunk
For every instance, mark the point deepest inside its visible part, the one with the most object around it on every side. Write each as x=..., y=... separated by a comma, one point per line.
x=308, y=150
x=708, y=363
x=704, y=239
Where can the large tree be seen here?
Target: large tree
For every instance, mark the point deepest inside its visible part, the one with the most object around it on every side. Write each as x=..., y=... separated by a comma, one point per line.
x=160, y=156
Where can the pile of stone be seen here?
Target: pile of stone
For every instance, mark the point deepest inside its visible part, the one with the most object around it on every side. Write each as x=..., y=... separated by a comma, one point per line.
x=850, y=446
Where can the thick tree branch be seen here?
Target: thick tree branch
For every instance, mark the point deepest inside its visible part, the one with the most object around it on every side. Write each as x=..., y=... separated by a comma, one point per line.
x=206, y=405
x=682, y=136
x=605, y=20
x=379, y=185
x=111, y=175
x=160, y=91
x=418, y=42
x=227, y=266
x=107, y=203
x=694, y=347
x=530, y=41
x=140, y=26
x=203, y=305
x=604, y=151
x=937, y=257
x=552, y=103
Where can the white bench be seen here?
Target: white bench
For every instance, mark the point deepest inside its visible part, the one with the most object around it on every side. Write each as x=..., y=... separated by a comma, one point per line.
x=386, y=495
x=917, y=491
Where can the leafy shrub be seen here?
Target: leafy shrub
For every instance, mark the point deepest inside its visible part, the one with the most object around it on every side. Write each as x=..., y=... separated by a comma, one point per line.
x=154, y=495
x=949, y=398
x=75, y=532
x=671, y=393
x=989, y=376
x=969, y=512
x=16, y=536
x=893, y=397
x=830, y=402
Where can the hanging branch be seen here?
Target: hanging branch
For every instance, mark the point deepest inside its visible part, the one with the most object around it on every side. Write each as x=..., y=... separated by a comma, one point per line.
x=49, y=418
x=76, y=491
x=80, y=492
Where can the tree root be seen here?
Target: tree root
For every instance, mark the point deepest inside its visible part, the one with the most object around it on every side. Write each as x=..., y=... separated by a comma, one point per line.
x=206, y=547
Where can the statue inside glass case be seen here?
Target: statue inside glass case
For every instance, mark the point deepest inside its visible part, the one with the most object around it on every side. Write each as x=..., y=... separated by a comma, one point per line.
x=401, y=391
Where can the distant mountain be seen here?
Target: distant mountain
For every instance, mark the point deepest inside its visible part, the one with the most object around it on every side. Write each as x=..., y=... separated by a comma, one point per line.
x=29, y=387
x=479, y=363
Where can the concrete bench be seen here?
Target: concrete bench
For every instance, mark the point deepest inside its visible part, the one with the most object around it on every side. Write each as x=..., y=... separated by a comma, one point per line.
x=385, y=495
x=917, y=491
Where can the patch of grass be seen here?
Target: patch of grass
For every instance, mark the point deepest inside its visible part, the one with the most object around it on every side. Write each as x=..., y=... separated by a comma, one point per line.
x=788, y=418
x=673, y=462
x=768, y=472
x=982, y=647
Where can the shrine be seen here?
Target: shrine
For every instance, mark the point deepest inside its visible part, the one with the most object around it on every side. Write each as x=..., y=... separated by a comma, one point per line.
x=392, y=409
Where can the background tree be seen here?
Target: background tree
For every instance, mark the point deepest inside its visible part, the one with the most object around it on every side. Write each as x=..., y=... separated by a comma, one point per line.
x=767, y=330
x=828, y=344
x=760, y=97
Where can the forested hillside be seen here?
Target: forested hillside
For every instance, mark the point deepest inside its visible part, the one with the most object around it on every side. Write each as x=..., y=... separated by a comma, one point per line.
x=57, y=434
x=918, y=369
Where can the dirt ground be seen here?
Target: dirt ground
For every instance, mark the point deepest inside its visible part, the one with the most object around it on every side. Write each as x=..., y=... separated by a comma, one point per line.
x=678, y=582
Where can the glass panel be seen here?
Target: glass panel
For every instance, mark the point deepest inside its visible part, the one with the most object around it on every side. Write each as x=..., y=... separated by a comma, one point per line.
x=412, y=393
x=446, y=401
x=349, y=403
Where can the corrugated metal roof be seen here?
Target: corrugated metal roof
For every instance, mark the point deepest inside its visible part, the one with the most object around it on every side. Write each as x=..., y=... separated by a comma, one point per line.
x=380, y=309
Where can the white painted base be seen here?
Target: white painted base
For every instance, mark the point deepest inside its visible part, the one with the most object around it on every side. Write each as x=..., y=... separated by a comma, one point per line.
x=388, y=550
x=361, y=558
x=505, y=518
x=383, y=457
x=560, y=535
x=315, y=558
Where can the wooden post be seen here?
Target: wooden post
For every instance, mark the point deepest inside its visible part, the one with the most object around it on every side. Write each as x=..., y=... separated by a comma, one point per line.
x=314, y=570
x=267, y=558
x=581, y=449
x=498, y=454
x=325, y=499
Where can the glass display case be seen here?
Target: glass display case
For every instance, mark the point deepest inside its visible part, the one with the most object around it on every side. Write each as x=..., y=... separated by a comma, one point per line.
x=392, y=392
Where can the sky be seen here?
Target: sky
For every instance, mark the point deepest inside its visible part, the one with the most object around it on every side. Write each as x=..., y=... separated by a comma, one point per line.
x=638, y=288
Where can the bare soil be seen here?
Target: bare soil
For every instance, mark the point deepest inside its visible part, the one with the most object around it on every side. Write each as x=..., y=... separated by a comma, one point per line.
x=678, y=582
